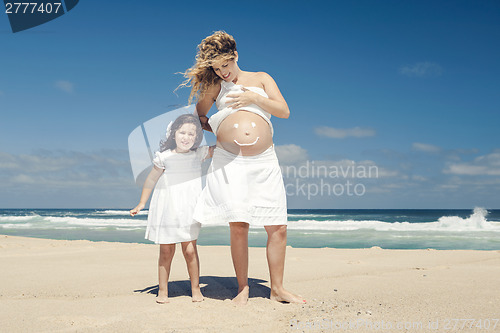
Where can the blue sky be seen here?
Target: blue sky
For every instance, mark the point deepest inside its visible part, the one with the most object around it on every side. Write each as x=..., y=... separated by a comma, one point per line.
x=411, y=87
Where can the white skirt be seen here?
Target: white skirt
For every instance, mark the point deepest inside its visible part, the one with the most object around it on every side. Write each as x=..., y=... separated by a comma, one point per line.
x=243, y=189
x=161, y=234
x=170, y=216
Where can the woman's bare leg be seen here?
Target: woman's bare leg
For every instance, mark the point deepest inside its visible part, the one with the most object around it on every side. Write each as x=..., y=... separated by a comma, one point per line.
x=276, y=250
x=239, y=253
x=164, y=262
x=193, y=266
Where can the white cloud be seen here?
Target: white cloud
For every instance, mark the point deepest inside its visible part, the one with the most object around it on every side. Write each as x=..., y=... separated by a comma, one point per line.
x=388, y=173
x=426, y=148
x=421, y=69
x=341, y=133
x=419, y=178
x=291, y=154
x=56, y=179
x=65, y=86
x=66, y=169
x=487, y=165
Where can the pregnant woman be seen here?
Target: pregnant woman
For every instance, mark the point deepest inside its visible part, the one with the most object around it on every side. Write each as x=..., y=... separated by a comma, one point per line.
x=244, y=186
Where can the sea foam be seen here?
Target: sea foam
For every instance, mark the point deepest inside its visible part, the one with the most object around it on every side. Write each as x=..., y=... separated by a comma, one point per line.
x=475, y=222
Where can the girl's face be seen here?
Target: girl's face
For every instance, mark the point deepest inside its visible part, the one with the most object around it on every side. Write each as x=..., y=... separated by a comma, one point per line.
x=185, y=137
x=226, y=69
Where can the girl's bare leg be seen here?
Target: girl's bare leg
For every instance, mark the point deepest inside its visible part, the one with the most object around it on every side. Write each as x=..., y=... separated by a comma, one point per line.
x=164, y=262
x=239, y=253
x=193, y=266
x=276, y=250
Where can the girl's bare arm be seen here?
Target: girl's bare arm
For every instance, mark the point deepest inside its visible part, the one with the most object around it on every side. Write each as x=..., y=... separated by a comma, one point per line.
x=148, y=187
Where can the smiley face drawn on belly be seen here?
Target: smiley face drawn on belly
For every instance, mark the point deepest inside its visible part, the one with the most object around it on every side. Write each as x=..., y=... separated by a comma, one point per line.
x=247, y=133
x=244, y=133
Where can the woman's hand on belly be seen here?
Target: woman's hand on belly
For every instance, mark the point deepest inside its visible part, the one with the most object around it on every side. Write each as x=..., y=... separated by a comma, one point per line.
x=244, y=133
x=239, y=100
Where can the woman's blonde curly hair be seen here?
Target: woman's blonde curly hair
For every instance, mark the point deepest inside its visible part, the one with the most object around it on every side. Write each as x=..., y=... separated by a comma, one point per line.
x=216, y=47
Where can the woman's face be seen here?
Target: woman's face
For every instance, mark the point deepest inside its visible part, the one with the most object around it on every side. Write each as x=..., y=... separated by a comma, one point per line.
x=185, y=137
x=226, y=69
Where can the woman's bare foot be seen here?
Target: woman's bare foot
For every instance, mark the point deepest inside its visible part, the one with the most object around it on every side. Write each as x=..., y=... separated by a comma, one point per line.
x=242, y=297
x=196, y=295
x=162, y=299
x=285, y=296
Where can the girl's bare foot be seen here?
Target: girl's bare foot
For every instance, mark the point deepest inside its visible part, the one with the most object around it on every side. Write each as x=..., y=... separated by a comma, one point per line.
x=285, y=296
x=162, y=299
x=242, y=297
x=196, y=295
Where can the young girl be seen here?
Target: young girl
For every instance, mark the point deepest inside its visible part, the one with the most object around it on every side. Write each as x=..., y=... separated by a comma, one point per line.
x=177, y=176
x=244, y=186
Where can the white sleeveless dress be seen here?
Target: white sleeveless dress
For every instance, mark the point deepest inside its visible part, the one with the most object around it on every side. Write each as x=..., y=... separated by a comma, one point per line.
x=170, y=217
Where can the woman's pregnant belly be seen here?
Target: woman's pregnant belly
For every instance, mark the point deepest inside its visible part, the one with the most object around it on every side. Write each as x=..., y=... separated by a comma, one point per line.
x=244, y=133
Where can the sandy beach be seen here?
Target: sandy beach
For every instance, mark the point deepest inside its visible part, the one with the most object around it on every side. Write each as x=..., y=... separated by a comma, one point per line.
x=58, y=286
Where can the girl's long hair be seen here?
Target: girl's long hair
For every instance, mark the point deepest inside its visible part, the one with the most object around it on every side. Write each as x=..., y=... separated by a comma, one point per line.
x=218, y=46
x=169, y=142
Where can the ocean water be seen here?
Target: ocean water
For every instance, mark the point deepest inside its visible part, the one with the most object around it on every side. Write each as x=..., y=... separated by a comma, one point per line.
x=477, y=229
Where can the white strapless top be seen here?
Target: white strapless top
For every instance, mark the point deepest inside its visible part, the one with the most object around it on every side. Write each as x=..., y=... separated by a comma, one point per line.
x=224, y=111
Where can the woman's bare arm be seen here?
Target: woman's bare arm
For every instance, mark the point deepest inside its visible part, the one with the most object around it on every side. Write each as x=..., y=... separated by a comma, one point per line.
x=204, y=105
